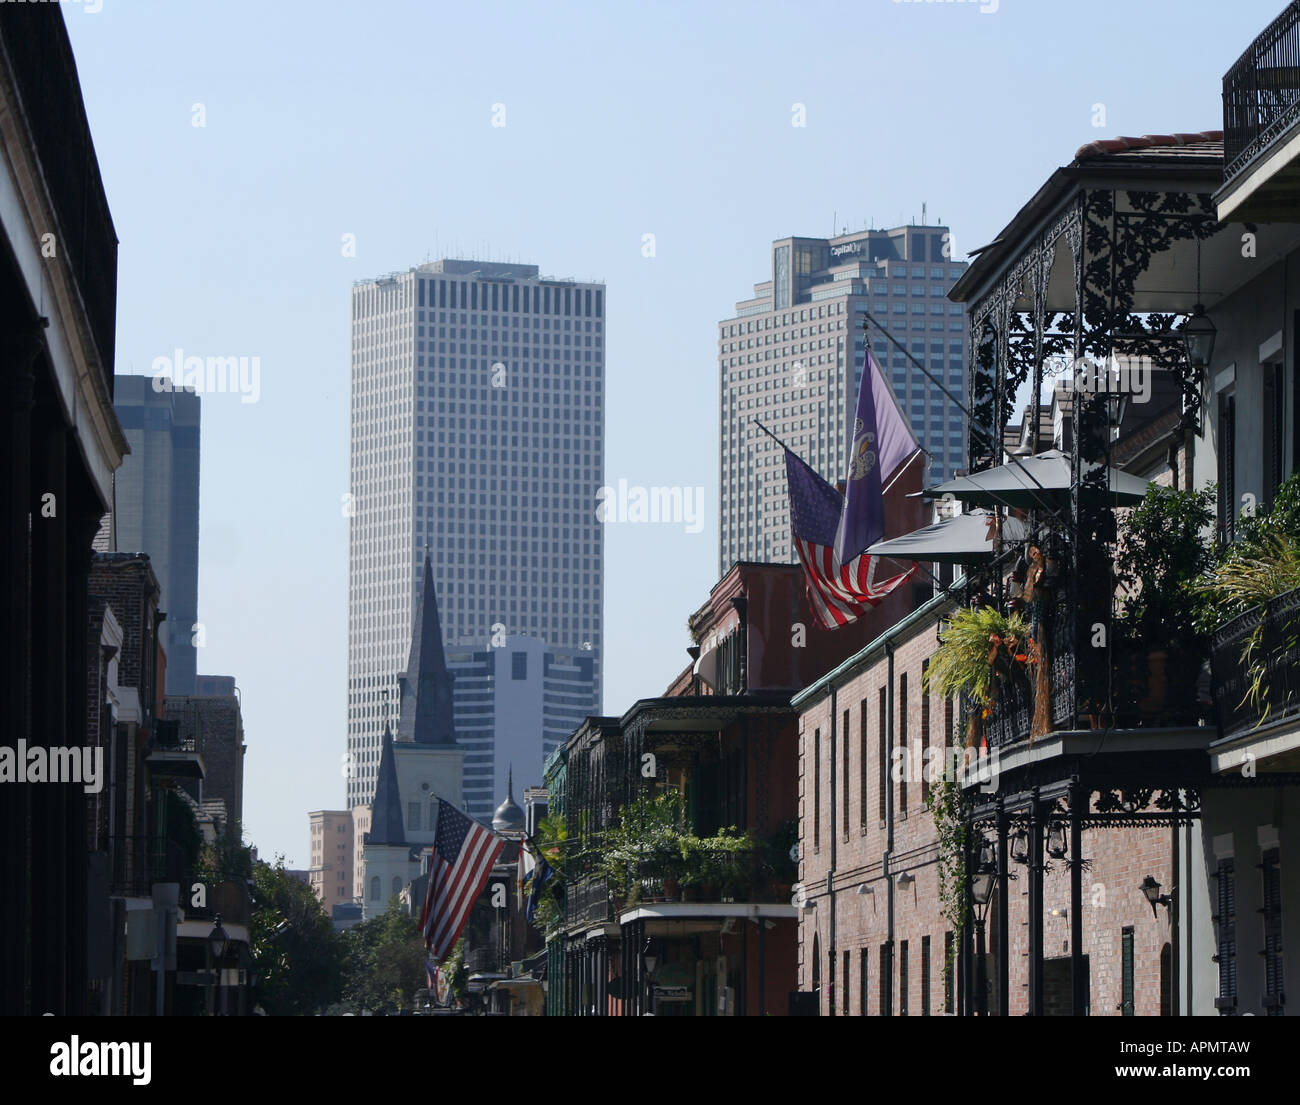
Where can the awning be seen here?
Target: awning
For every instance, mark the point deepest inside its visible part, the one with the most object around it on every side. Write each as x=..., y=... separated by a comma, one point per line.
x=1036, y=481
x=963, y=539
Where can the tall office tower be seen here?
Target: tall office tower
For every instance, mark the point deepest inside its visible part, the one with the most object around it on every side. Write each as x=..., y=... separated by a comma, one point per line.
x=156, y=508
x=792, y=358
x=477, y=432
x=500, y=693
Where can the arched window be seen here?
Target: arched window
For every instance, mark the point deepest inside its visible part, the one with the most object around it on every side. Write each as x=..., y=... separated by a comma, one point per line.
x=374, y=888
x=397, y=884
x=817, y=966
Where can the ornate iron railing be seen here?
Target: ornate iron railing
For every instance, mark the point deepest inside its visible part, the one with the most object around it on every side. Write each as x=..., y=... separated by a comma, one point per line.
x=1261, y=92
x=1130, y=686
x=137, y=862
x=1273, y=664
x=587, y=902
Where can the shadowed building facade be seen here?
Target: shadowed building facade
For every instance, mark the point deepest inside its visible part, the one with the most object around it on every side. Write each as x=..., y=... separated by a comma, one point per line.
x=60, y=446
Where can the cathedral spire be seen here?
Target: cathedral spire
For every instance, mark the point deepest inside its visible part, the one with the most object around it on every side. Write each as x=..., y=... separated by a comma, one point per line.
x=426, y=686
x=386, y=807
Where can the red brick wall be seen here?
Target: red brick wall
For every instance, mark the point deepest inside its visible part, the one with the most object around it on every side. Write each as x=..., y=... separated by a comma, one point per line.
x=1119, y=859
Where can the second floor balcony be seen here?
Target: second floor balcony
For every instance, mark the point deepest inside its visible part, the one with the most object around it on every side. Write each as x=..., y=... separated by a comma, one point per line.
x=1261, y=127
x=1256, y=659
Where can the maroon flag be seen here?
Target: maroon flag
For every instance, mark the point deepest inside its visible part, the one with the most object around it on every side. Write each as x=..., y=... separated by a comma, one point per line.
x=463, y=855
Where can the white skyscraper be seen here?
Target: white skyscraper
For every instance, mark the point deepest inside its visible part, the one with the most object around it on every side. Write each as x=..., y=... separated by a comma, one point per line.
x=477, y=432
x=792, y=358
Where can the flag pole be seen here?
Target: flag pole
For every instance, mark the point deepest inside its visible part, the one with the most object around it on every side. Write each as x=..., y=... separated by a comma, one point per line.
x=868, y=317
x=919, y=451
x=770, y=433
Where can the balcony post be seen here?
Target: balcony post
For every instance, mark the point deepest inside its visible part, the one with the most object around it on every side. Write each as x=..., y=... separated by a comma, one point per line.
x=1003, y=914
x=1035, y=906
x=1078, y=967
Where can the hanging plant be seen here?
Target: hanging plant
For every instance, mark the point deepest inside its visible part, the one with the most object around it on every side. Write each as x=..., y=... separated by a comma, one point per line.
x=1250, y=579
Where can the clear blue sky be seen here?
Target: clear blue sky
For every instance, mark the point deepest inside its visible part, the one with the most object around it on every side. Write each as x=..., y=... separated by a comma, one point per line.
x=624, y=119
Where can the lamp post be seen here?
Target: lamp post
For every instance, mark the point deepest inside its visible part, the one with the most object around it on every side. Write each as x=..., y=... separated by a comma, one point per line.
x=981, y=892
x=650, y=962
x=218, y=941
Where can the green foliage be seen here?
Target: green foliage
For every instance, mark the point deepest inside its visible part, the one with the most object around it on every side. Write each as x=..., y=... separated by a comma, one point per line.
x=979, y=650
x=1261, y=565
x=385, y=959
x=944, y=800
x=1281, y=519
x=1160, y=560
x=457, y=973
x=651, y=840
x=297, y=955
x=1248, y=579
x=228, y=860
x=648, y=837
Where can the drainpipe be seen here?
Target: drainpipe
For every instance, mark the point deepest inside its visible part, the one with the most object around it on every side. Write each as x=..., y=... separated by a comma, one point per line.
x=889, y=816
x=830, y=872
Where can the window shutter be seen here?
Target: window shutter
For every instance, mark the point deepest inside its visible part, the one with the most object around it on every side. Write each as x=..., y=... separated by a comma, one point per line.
x=1274, y=998
x=1226, y=920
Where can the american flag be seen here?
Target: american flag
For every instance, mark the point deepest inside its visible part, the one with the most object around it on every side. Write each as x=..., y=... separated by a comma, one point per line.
x=838, y=596
x=463, y=855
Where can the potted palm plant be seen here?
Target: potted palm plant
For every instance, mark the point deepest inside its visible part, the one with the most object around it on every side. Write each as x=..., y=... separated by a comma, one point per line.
x=981, y=651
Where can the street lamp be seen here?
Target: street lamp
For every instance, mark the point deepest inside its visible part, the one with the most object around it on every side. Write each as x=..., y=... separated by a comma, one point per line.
x=218, y=941
x=1199, y=333
x=981, y=891
x=1056, y=844
x=1151, y=890
x=1116, y=405
x=1020, y=846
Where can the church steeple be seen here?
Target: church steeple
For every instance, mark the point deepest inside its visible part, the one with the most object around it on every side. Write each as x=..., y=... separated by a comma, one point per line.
x=426, y=707
x=386, y=808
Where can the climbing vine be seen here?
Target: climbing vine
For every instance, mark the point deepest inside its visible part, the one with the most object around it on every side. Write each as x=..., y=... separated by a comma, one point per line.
x=945, y=804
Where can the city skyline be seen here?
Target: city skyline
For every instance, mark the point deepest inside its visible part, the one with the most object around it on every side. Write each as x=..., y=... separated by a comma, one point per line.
x=258, y=208
x=477, y=448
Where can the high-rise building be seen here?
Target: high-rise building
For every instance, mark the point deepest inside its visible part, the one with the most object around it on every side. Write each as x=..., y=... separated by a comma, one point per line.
x=792, y=359
x=500, y=694
x=477, y=434
x=156, y=508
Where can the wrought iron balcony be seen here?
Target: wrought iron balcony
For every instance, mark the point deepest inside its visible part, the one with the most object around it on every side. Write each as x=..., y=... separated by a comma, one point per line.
x=587, y=902
x=1275, y=660
x=137, y=862
x=172, y=755
x=1261, y=95
x=1129, y=685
